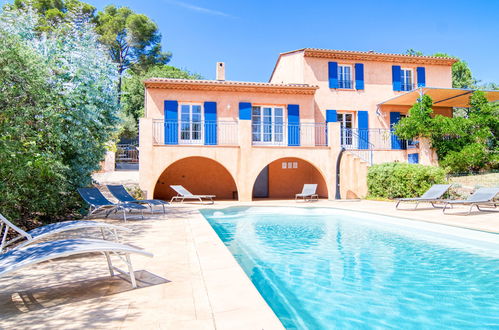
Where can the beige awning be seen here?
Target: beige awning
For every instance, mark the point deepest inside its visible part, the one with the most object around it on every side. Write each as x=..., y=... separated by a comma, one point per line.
x=442, y=97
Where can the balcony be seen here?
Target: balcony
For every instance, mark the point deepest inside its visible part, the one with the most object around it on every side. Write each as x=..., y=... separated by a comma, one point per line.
x=286, y=134
x=222, y=133
x=375, y=139
x=235, y=133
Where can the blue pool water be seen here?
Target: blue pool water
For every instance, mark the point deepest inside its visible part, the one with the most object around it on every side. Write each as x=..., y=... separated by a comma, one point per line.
x=322, y=268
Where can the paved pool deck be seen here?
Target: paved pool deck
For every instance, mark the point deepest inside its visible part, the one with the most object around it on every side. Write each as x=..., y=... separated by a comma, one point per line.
x=192, y=282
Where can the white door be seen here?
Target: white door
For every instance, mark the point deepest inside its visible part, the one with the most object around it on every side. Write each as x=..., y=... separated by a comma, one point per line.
x=346, y=123
x=267, y=125
x=191, y=124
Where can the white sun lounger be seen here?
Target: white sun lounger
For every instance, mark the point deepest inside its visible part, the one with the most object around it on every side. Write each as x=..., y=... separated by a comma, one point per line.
x=183, y=194
x=308, y=193
x=25, y=256
x=42, y=232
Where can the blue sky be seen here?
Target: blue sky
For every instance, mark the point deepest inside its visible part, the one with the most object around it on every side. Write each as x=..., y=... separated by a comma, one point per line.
x=249, y=35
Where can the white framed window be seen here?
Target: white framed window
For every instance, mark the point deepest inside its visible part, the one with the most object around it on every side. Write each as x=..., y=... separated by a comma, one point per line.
x=345, y=76
x=406, y=79
x=346, y=120
x=191, y=128
x=267, y=125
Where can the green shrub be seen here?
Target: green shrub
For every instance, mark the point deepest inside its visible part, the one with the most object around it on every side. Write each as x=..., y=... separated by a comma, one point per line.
x=399, y=180
x=58, y=111
x=472, y=157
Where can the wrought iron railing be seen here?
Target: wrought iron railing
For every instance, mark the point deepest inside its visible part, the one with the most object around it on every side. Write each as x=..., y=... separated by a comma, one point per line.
x=127, y=153
x=195, y=132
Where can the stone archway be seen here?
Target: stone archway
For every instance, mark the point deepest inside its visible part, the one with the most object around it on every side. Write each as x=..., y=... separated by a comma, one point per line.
x=286, y=176
x=199, y=175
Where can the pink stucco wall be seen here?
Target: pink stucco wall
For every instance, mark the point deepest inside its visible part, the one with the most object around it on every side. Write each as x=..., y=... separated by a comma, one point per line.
x=236, y=166
x=377, y=81
x=227, y=102
x=289, y=69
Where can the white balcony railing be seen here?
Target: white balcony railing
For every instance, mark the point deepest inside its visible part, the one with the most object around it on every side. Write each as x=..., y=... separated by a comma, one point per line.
x=225, y=133
x=195, y=133
x=363, y=142
x=284, y=134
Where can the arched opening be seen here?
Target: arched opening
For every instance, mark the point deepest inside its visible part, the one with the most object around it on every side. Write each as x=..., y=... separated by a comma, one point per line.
x=199, y=175
x=285, y=177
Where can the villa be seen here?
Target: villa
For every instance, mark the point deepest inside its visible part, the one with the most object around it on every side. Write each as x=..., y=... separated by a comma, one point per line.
x=246, y=140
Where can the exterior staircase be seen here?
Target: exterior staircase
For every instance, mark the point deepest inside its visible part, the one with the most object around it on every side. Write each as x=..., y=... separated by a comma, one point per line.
x=353, y=176
x=353, y=168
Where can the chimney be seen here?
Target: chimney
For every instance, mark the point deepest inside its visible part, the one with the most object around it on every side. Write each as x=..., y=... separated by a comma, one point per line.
x=220, y=71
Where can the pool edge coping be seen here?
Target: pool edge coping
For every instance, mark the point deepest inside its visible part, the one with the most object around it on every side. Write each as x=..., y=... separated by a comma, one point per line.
x=227, y=313
x=252, y=204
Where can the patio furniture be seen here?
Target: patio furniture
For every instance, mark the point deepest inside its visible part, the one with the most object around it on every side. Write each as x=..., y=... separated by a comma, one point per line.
x=98, y=202
x=123, y=196
x=308, y=193
x=42, y=232
x=432, y=196
x=25, y=256
x=483, y=197
x=183, y=194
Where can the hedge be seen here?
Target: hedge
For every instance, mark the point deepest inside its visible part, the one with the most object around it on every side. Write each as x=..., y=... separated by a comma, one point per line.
x=399, y=180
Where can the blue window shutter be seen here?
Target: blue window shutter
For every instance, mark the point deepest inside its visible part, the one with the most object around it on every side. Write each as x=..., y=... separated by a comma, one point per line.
x=293, y=125
x=245, y=111
x=359, y=76
x=333, y=74
x=363, y=122
x=396, y=76
x=210, y=123
x=331, y=116
x=421, y=76
x=397, y=144
x=413, y=158
x=171, y=122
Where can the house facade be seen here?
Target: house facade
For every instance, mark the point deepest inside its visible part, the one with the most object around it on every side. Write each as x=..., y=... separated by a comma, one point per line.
x=247, y=140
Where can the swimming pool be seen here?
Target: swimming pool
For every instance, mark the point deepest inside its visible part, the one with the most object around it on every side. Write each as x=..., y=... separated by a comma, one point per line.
x=321, y=268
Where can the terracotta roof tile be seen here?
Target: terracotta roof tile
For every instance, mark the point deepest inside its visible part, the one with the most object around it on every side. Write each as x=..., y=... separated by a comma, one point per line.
x=219, y=85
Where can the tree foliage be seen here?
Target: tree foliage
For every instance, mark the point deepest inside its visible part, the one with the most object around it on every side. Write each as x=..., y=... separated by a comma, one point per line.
x=53, y=12
x=59, y=110
x=461, y=73
x=133, y=87
x=133, y=39
x=32, y=169
x=468, y=143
